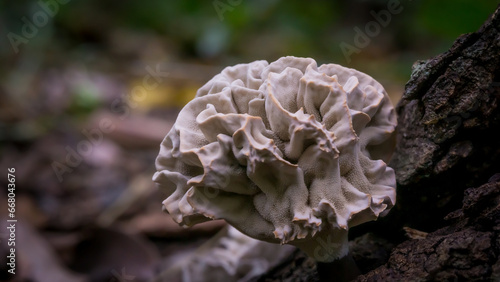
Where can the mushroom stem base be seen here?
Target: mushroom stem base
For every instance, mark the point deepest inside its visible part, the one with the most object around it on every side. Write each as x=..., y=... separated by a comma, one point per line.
x=342, y=269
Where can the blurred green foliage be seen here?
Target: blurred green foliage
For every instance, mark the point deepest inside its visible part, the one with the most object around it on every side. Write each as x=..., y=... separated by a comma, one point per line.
x=450, y=18
x=198, y=31
x=85, y=99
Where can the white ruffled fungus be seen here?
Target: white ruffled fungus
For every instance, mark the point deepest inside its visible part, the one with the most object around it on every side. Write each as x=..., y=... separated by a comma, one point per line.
x=286, y=152
x=228, y=256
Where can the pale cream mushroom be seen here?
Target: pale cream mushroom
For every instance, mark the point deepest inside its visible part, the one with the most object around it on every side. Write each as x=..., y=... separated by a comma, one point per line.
x=286, y=152
x=228, y=256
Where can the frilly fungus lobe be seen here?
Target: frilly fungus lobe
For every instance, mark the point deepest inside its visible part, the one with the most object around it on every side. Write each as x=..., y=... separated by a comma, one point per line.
x=286, y=152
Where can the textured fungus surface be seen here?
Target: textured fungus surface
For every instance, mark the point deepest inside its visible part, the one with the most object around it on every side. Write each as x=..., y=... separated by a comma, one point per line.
x=228, y=256
x=286, y=152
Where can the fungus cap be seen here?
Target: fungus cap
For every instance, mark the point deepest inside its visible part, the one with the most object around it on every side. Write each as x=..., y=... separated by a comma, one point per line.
x=286, y=152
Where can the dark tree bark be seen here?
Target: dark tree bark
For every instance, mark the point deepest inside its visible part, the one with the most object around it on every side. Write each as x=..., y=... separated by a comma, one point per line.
x=466, y=250
x=449, y=117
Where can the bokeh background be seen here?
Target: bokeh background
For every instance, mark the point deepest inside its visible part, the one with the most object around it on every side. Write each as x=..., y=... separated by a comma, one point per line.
x=88, y=89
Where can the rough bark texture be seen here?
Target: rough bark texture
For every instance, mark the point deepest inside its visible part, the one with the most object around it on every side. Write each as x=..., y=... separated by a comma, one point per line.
x=449, y=117
x=467, y=250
